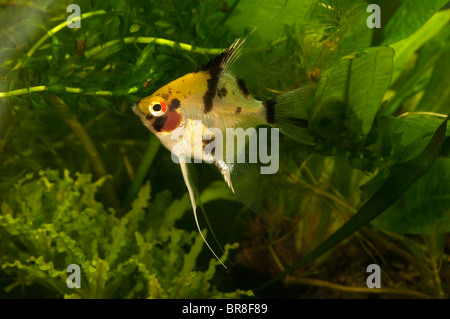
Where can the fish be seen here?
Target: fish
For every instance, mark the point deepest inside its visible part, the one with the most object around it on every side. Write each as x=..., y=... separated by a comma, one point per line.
x=219, y=95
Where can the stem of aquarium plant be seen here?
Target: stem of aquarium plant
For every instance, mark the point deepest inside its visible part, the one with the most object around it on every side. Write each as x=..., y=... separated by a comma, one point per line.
x=159, y=41
x=91, y=150
x=142, y=170
x=55, y=30
x=29, y=90
x=42, y=88
x=423, y=113
x=330, y=285
x=390, y=245
x=275, y=257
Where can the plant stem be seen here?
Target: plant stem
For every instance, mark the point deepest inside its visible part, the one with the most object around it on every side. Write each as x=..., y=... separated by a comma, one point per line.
x=92, y=152
x=159, y=41
x=42, y=88
x=142, y=170
x=330, y=285
x=275, y=257
x=390, y=245
x=32, y=89
x=53, y=31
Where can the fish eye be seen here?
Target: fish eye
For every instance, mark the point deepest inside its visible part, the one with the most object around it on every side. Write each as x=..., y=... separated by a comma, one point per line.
x=158, y=108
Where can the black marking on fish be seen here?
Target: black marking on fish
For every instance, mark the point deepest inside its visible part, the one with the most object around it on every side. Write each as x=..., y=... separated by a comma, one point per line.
x=159, y=123
x=174, y=104
x=149, y=117
x=206, y=142
x=298, y=122
x=214, y=67
x=222, y=92
x=218, y=62
x=242, y=87
x=270, y=110
x=238, y=110
x=165, y=96
x=210, y=93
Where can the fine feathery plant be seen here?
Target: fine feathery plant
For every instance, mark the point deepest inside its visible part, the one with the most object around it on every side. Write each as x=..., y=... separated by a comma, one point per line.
x=76, y=165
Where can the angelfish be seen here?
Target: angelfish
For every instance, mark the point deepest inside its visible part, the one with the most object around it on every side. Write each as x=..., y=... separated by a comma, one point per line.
x=217, y=95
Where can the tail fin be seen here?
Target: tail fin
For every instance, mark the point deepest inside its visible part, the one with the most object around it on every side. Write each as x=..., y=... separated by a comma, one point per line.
x=288, y=112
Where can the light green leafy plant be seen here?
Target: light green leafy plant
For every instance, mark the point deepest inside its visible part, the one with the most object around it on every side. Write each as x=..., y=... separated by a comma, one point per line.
x=50, y=221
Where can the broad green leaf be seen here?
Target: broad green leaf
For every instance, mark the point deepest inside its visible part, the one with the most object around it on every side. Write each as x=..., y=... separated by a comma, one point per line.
x=424, y=208
x=406, y=48
x=412, y=81
x=261, y=12
x=409, y=17
x=350, y=93
x=401, y=139
x=437, y=93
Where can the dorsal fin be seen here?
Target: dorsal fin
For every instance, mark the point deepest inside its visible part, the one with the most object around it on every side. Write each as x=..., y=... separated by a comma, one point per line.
x=218, y=63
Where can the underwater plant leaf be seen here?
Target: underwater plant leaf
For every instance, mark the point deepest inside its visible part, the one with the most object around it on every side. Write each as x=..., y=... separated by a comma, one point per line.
x=350, y=93
x=262, y=11
x=256, y=58
x=424, y=207
x=437, y=93
x=409, y=17
x=406, y=48
x=142, y=170
x=370, y=76
x=51, y=220
x=217, y=190
x=402, y=139
x=401, y=177
x=334, y=29
x=410, y=82
x=137, y=212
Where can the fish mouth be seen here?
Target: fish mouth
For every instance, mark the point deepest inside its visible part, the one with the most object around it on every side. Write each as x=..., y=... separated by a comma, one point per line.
x=135, y=108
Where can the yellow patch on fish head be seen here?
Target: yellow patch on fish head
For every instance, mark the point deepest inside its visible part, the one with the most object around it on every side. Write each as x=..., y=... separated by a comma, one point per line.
x=161, y=111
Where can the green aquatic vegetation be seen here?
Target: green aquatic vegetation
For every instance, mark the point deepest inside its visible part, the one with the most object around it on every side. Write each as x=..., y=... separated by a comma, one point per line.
x=50, y=221
x=76, y=164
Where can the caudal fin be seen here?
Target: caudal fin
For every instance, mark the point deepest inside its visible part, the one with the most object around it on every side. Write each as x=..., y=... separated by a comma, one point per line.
x=288, y=112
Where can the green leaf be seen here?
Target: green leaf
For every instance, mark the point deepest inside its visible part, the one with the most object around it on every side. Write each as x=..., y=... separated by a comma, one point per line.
x=56, y=88
x=409, y=17
x=424, y=208
x=401, y=139
x=437, y=93
x=350, y=94
x=261, y=12
x=406, y=48
x=134, y=28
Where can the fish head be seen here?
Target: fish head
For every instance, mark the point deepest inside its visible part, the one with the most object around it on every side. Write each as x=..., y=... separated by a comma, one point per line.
x=160, y=112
